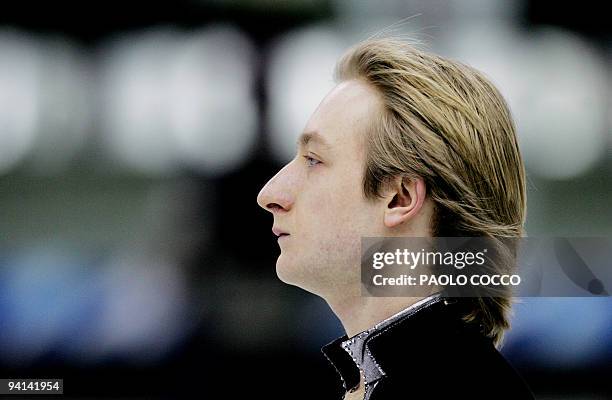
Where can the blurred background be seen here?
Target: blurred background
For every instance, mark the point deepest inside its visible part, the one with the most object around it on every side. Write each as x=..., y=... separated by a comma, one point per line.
x=135, y=136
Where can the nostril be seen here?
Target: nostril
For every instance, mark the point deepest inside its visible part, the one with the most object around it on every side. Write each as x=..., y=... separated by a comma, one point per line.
x=274, y=207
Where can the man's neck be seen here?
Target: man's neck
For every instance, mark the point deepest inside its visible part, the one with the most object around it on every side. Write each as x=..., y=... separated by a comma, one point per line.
x=358, y=313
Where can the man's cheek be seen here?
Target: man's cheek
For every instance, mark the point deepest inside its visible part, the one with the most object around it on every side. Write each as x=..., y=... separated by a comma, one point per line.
x=327, y=202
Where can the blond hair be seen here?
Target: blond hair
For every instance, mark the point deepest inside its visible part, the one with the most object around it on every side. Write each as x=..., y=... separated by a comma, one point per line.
x=446, y=122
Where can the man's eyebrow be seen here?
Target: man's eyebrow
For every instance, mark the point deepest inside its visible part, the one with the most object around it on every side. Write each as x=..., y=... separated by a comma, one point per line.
x=312, y=136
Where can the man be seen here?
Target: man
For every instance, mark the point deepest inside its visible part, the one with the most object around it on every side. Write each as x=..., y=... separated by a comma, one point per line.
x=408, y=144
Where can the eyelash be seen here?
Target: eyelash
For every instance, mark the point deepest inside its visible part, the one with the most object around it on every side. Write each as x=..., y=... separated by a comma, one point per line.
x=308, y=159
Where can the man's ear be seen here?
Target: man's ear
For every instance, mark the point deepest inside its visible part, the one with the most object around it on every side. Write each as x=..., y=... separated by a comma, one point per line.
x=405, y=199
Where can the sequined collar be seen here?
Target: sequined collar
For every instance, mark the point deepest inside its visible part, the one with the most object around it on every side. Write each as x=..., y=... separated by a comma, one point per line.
x=351, y=356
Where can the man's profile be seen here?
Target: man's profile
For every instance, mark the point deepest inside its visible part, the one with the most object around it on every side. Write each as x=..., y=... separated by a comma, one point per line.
x=408, y=144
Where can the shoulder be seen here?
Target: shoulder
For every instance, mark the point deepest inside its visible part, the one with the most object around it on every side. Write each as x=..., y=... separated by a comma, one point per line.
x=475, y=373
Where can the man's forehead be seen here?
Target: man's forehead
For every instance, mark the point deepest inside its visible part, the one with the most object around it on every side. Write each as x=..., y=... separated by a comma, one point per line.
x=342, y=114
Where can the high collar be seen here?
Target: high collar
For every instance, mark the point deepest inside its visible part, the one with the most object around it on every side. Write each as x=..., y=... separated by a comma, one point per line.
x=372, y=351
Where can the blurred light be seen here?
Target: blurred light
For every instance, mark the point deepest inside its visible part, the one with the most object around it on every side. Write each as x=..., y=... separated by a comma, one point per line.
x=300, y=75
x=65, y=113
x=47, y=297
x=554, y=83
x=145, y=307
x=560, y=332
x=134, y=101
x=170, y=100
x=20, y=97
x=563, y=118
x=494, y=47
x=212, y=110
x=609, y=98
x=55, y=302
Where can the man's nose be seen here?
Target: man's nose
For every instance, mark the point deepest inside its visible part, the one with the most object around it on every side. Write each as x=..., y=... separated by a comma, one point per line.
x=277, y=194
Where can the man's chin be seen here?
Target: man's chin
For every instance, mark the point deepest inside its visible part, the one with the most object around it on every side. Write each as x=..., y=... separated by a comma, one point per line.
x=308, y=279
x=292, y=273
x=285, y=271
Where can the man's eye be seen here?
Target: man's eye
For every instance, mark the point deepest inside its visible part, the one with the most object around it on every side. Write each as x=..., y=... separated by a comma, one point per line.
x=311, y=162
